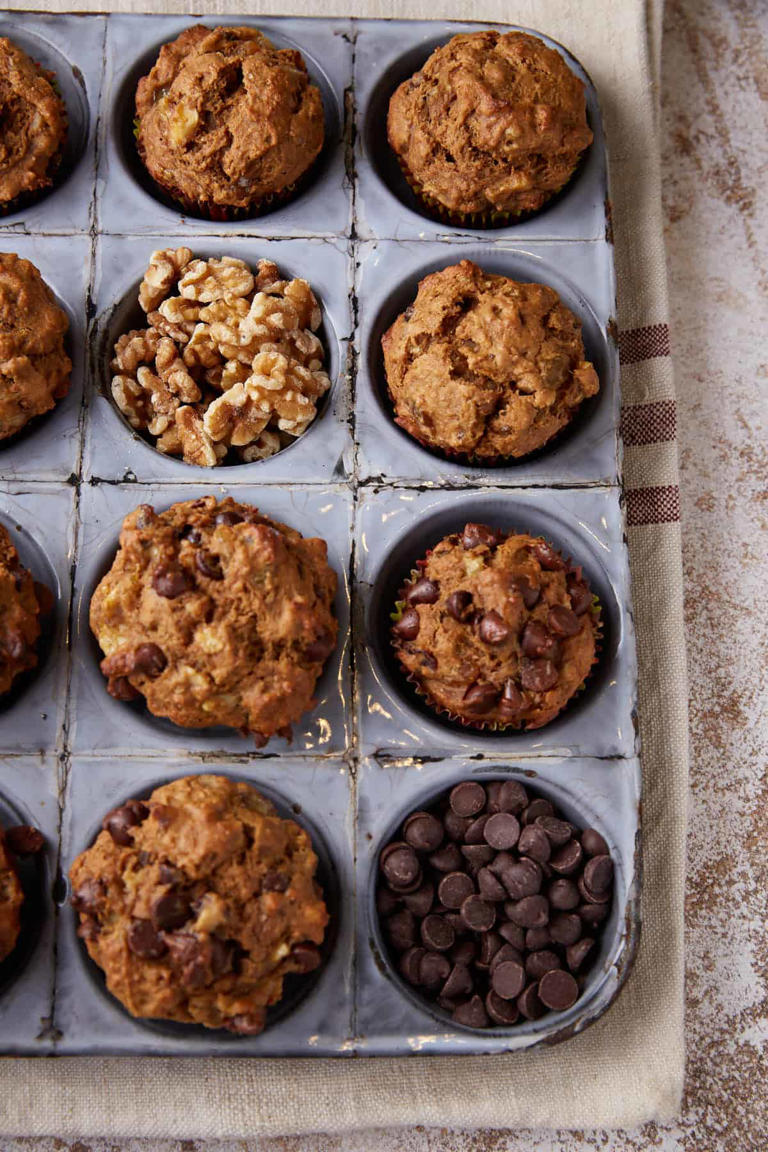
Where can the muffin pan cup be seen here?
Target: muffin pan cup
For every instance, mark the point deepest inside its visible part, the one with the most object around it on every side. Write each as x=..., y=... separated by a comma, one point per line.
x=371, y=750
x=317, y=1014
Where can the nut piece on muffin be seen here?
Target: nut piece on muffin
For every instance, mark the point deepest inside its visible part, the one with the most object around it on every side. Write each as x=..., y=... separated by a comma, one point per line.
x=216, y=615
x=490, y=128
x=197, y=903
x=21, y=604
x=227, y=124
x=33, y=126
x=484, y=367
x=21, y=840
x=229, y=369
x=497, y=630
x=34, y=368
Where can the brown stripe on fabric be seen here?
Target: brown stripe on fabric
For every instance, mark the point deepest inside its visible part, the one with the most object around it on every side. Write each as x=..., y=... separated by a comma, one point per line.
x=649, y=423
x=653, y=505
x=643, y=343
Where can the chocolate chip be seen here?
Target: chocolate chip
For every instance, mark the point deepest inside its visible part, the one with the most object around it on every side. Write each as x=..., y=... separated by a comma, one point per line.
x=512, y=701
x=171, y=581
x=305, y=956
x=547, y=556
x=209, y=564
x=386, y=901
x=459, y=982
x=581, y=596
x=529, y=592
x=535, y=843
x=410, y=963
x=463, y=952
x=513, y=934
x=194, y=535
x=529, y=1004
x=474, y=833
x=538, y=675
x=120, y=820
x=477, y=856
x=512, y=797
x=145, y=941
x=508, y=979
x=537, y=807
x=503, y=1012
x=505, y=955
x=24, y=840
x=88, y=897
x=456, y=826
x=563, y=895
x=149, y=660
x=562, y=621
x=568, y=858
x=227, y=518
x=558, y=831
x=598, y=876
x=530, y=912
x=400, y=865
x=592, y=914
x=480, y=698
x=593, y=843
x=537, y=938
x=472, y=1014
x=521, y=878
x=424, y=591
x=489, y=887
x=558, y=990
x=120, y=688
x=423, y=831
x=493, y=629
x=434, y=969
x=538, y=641
x=538, y=963
x=577, y=952
x=168, y=874
x=407, y=627
x=459, y=606
x=275, y=881
x=454, y=889
x=420, y=901
x=478, y=914
x=446, y=859
x=437, y=934
x=476, y=535
x=467, y=798
x=320, y=649
x=401, y=929
x=502, y=831
x=565, y=928
x=170, y=910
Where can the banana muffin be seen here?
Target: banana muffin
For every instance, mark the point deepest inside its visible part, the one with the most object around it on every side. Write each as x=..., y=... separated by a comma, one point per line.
x=11, y=900
x=496, y=629
x=34, y=368
x=490, y=128
x=227, y=124
x=19, y=615
x=216, y=614
x=484, y=367
x=197, y=903
x=33, y=127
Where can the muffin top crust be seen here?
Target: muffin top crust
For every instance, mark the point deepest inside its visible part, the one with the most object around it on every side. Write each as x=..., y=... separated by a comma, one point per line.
x=484, y=366
x=225, y=118
x=492, y=123
x=33, y=123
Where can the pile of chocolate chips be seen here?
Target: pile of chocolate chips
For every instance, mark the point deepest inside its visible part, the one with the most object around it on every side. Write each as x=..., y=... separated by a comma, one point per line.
x=492, y=903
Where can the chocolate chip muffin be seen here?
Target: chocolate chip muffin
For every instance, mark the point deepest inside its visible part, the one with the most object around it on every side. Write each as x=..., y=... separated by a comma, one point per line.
x=20, y=610
x=34, y=367
x=198, y=902
x=216, y=614
x=484, y=367
x=492, y=903
x=490, y=128
x=496, y=630
x=33, y=127
x=227, y=124
x=11, y=899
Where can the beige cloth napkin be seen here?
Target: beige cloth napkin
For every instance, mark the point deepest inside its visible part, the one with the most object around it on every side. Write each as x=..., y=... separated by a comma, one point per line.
x=627, y=1068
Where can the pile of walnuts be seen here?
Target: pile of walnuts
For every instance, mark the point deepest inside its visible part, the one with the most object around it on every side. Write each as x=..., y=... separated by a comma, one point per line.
x=229, y=367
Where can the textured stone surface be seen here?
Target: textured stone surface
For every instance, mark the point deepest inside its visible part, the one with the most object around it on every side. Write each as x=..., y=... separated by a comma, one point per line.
x=715, y=117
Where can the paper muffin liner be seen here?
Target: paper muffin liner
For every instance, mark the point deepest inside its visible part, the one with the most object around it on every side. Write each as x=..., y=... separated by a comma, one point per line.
x=495, y=726
x=27, y=199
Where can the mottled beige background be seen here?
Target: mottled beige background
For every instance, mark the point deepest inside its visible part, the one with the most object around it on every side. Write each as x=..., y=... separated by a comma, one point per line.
x=715, y=121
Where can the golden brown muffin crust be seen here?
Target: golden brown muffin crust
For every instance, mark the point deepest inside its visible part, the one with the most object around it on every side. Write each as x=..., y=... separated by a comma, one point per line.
x=227, y=119
x=216, y=615
x=484, y=366
x=198, y=902
x=34, y=368
x=33, y=125
x=11, y=900
x=492, y=122
x=19, y=615
x=498, y=629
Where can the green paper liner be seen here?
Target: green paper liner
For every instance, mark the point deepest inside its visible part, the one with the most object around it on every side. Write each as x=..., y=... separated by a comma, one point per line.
x=27, y=199
x=496, y=726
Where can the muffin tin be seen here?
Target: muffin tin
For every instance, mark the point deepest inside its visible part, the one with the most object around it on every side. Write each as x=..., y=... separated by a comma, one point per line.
x=370, y=751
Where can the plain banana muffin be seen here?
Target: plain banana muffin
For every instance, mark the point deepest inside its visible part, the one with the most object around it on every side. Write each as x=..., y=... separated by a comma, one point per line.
x=216, y=614
x=226, y=122
x=33, y=126
x=490, y=128
x=198, y=902
x=485, y=367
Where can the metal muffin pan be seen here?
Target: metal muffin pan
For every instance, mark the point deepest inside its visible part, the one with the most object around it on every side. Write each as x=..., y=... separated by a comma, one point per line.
x=586, y=452
x=114, y=451
x=370, y=751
